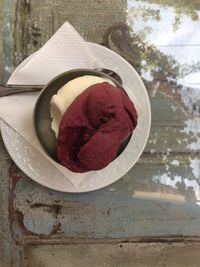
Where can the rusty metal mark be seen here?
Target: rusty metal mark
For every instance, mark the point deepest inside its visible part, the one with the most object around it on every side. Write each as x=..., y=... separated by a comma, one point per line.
x=15, y=175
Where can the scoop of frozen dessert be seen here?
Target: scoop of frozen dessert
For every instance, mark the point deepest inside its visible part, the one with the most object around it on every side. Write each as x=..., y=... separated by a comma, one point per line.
x=94, y=126
x=66, y=95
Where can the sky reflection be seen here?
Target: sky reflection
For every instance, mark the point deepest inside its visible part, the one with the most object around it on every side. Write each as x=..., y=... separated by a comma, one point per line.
x=157, y=28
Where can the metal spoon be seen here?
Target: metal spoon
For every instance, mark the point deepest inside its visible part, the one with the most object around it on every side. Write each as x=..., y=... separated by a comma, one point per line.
x=112, y=74
x=16, y=89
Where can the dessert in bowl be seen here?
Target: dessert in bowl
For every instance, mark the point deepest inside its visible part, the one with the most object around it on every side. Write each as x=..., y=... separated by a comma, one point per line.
x=84, y=119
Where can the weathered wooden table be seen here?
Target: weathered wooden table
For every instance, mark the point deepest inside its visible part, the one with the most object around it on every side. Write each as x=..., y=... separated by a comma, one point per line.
x=150, y=217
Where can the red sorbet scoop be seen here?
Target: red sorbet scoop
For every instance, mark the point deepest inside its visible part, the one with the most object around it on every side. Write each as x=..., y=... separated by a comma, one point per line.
x=94, y=126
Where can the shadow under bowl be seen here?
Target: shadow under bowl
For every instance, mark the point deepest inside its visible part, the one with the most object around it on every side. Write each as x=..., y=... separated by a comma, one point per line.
x=42, y=118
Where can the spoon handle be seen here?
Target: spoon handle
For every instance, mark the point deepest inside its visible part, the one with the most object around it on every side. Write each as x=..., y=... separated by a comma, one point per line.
x=14, y=89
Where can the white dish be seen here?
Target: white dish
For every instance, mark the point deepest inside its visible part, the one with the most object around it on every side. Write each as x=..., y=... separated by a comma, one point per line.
x=33, y=164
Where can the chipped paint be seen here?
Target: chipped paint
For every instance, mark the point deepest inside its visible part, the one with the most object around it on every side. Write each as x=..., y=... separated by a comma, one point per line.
x=195, y=165
x=167, y=180
x=192, y=130
x=175, y=162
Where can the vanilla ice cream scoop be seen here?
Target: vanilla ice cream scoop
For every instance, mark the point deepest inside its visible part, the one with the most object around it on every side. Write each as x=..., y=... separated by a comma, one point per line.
x=67, y=94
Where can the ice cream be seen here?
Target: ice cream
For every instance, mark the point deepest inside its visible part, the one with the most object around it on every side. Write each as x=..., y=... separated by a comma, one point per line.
x=66, y=95
x=93, y=126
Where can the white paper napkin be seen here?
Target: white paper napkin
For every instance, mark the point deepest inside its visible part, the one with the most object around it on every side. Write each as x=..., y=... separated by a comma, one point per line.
x=65, y=50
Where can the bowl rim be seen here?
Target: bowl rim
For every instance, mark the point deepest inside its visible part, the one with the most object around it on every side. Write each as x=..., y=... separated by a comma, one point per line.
x=46, y=86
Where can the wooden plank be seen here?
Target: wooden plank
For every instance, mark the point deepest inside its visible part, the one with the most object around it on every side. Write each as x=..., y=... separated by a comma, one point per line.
x=151, y=200
x=39, y=211
x=112, y=255
x=159, y=197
